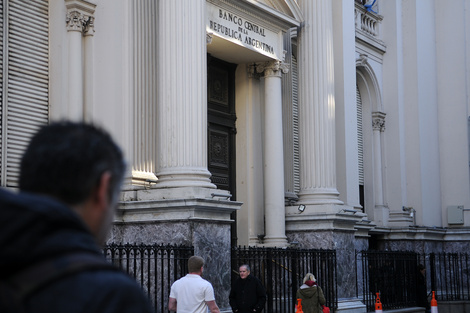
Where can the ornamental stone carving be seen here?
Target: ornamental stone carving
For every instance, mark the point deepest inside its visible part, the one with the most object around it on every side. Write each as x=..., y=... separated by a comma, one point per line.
x=209, y=38
x=378, y=121
x=75, y=21
x=362, y=60
x=272, y=68
x=252, y=73
x=79, y=16
x=89, y=28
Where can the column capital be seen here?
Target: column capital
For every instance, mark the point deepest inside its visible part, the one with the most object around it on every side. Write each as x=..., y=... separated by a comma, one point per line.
x=378, y=121
x=89, y=27
x=79, y=16
x=252, y=71
x=272, y=68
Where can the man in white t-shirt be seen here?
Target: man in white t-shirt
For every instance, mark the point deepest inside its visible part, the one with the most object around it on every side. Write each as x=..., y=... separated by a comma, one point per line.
x=192, y=293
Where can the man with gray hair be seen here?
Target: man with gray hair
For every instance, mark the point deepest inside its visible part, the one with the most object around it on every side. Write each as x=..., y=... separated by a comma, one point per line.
x=247, y=295
x=192, y=293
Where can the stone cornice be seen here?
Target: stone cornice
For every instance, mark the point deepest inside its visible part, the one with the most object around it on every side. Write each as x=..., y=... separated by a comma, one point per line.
x=269, y=17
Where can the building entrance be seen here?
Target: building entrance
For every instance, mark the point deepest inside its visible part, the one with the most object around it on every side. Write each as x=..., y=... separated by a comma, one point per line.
x=221, y=126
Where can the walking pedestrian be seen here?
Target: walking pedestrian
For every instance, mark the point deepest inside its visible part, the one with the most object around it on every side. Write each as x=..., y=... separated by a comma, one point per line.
x=311, y=295
x=192, y=293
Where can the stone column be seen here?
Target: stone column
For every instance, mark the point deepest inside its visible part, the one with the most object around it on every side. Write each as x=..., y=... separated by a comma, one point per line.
x=273, y=154
x=89, y=31
x=79, y=14
x=249, y=135
x=317, y=105
x=182, y=95
x=378, y=126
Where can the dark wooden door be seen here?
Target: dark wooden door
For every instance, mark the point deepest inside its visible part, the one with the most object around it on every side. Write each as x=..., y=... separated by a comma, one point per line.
x=221, y=123
x=221, y=127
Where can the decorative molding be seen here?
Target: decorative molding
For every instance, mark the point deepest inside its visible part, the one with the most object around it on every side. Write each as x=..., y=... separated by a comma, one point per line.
x=252, y=73
x=260, y=14
x=362, y=60
x=368, y=28
x=79, y=16
x=209, y=38
x=378, y=121
x=89, y=28
x=75, y=21
x=272, y=68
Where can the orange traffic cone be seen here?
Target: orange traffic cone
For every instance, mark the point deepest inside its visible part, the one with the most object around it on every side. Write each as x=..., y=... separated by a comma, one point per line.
x=378, y=304
x=433, y=303
x=299, y=306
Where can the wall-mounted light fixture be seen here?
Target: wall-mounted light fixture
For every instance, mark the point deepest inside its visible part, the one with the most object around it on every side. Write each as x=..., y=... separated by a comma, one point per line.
x=301, y=208
x=410, y=210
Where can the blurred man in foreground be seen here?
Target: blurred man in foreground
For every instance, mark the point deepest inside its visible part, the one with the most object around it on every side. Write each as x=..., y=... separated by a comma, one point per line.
x=51, y=232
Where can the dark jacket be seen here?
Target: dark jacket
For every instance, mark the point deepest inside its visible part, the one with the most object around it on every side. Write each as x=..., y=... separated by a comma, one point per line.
x=35, y=229
x=421, y=290
x=247, y=295
x=312, y=299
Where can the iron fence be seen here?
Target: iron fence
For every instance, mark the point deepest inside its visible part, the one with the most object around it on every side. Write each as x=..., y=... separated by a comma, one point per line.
x=155, y=267
x=449, y=275
x=282, y=270
x=393, y=274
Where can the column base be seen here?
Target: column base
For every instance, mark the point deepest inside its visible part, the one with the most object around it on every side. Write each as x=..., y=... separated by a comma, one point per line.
x=319, y=196
x=381, y=215
x=184, y=177
x=400, y=219
x=279, y=242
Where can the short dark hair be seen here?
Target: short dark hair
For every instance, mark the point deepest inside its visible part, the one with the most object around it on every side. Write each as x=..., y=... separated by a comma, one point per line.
x=66, y=160
x=195, y=263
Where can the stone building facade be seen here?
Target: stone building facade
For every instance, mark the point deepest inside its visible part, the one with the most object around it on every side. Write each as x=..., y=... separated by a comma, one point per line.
x=331, y=124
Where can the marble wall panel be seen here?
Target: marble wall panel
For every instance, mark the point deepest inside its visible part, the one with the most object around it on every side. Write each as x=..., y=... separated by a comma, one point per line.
x=344, y=244
x=426, y=246
x=152, y=233
x=211, y=241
